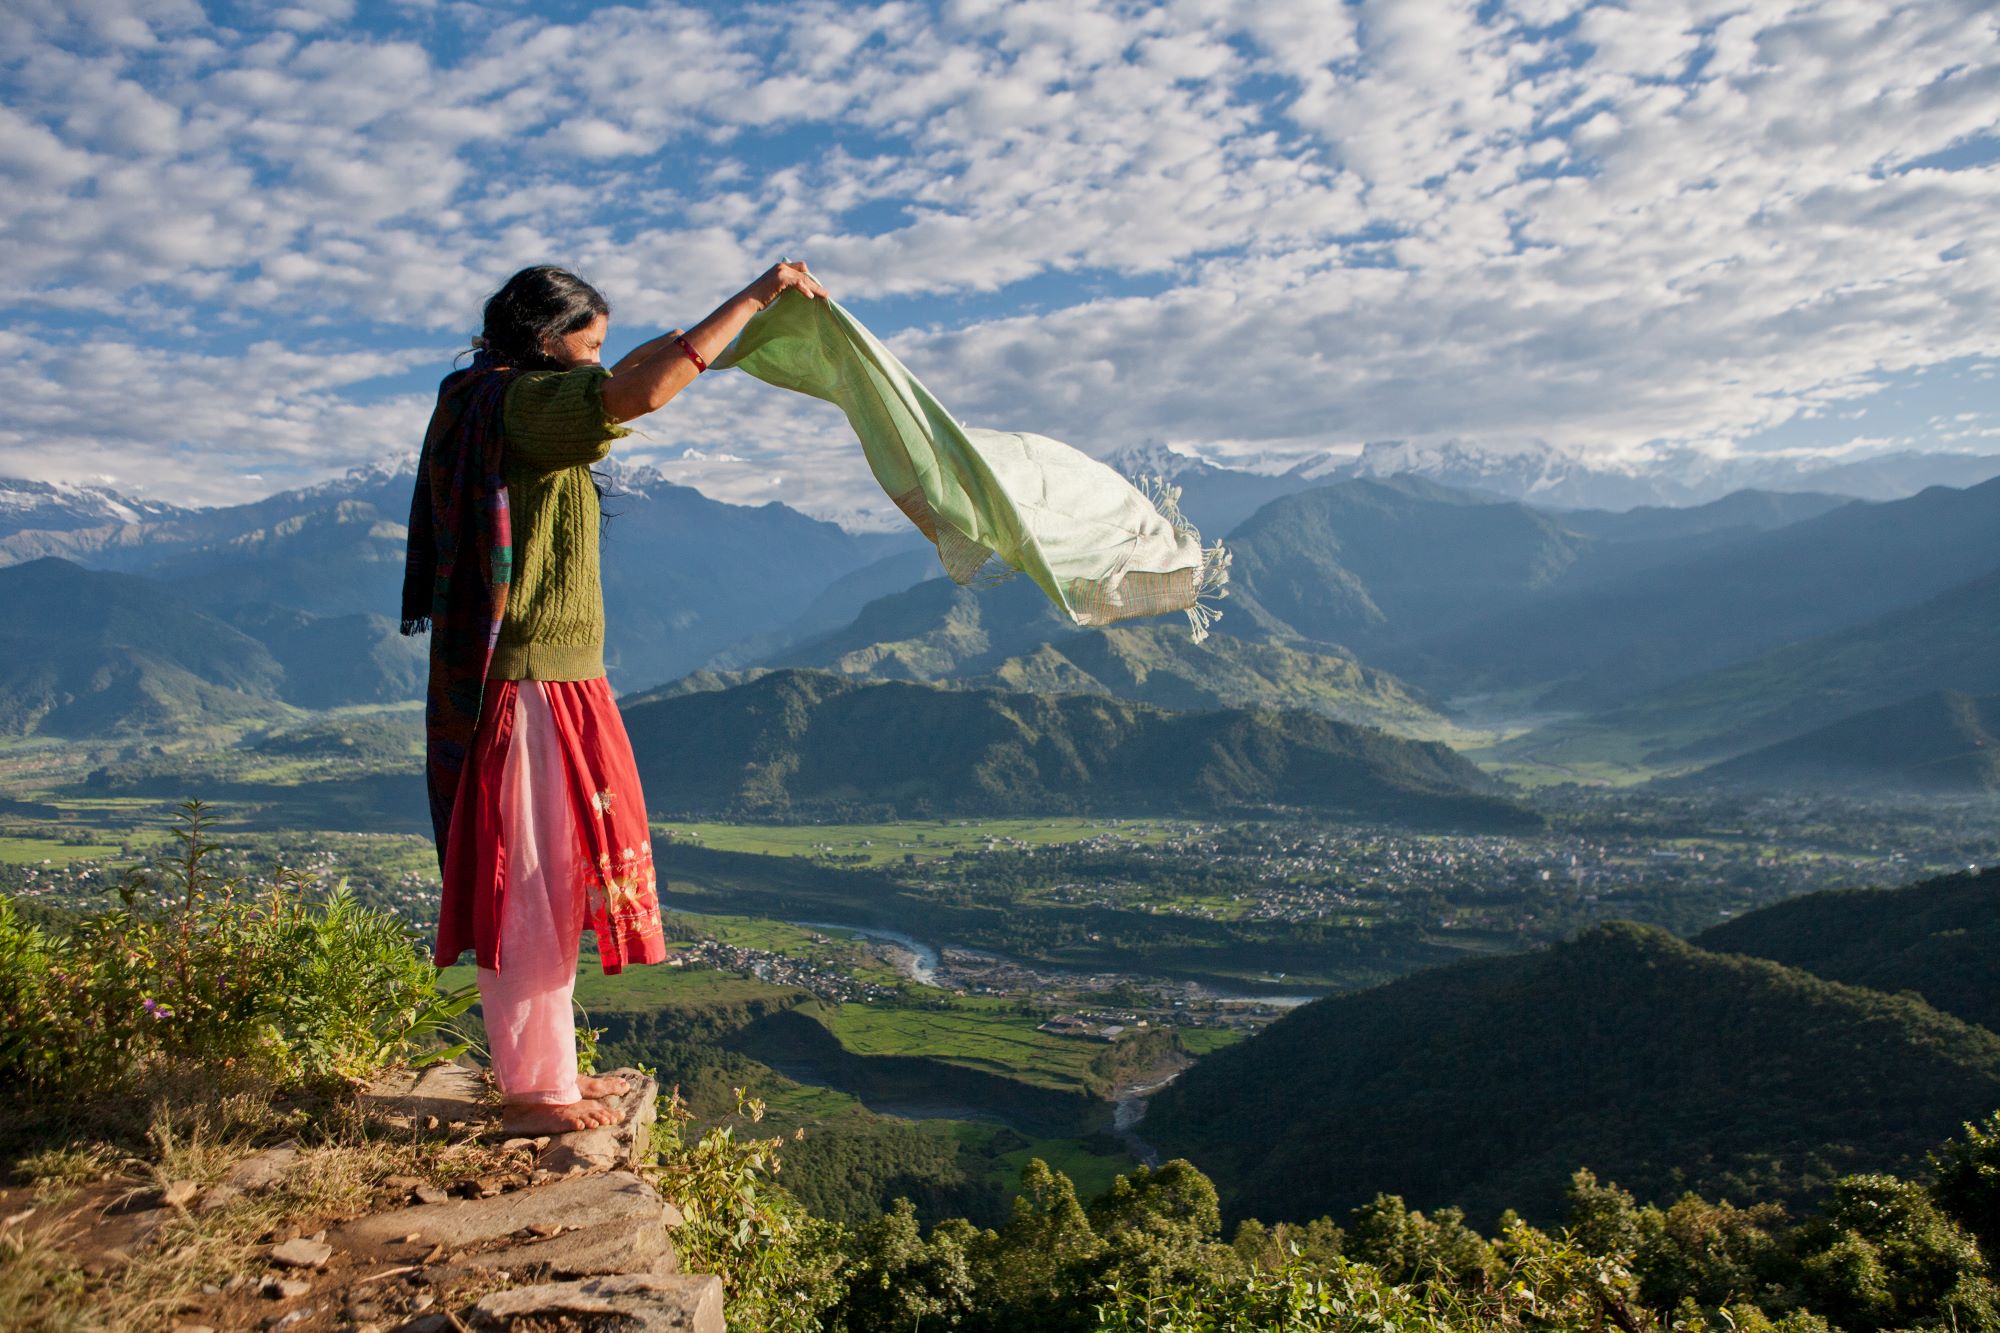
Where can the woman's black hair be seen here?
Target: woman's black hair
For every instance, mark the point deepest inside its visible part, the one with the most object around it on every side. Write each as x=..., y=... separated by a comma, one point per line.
x=533, y=306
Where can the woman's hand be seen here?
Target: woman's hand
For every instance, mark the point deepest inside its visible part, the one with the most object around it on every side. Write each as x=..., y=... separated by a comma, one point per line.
x=654, y=372
x=783, y=275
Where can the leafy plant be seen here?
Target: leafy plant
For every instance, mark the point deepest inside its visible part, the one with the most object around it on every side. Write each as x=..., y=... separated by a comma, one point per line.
x=779, y=1265
x=197, y=971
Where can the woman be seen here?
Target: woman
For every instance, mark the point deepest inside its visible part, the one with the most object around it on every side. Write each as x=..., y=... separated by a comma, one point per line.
x=535, y=800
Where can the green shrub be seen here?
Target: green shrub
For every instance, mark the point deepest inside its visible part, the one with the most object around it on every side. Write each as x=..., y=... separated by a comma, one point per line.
x=1968, y=1182
x=780, y=1266
x=223, y=978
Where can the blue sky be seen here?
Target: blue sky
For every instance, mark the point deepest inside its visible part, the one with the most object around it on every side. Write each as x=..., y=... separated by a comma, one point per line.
x=245, y=240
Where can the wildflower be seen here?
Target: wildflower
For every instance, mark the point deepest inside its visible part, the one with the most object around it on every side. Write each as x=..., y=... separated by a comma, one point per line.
x=157, y=1010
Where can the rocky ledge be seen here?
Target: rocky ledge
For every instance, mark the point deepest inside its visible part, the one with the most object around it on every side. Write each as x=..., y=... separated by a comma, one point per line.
x=570, y=1238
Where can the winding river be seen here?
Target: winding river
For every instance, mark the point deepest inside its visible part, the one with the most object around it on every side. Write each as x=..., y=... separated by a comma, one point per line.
x=913, y=958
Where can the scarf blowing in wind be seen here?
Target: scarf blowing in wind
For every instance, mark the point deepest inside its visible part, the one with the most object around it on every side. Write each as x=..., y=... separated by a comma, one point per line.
x=459, y=566
x=1101, y=549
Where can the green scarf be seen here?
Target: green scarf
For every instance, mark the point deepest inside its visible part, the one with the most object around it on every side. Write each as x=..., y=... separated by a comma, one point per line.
x=1102, y=549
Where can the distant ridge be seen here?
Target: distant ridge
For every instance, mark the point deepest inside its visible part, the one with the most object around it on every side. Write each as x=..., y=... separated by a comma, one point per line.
x=1619, y=638
x=1646, y=1059
x=1367, y=562
x=799, y=741
x=1939, y=938
x=1543, y=474
x=1945, y=741
x=685, y=576
x=1950, y=641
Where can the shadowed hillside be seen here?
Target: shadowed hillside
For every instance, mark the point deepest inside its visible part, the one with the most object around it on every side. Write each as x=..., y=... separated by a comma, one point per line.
x=1627, y=1051
x=1947, y=642
x=1939, y=938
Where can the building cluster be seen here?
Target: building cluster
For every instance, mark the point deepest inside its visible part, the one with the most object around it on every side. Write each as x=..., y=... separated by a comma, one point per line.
x=1093, y=1026
x=780, y=969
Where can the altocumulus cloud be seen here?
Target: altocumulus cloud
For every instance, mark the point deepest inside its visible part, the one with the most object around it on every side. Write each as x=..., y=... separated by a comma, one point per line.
x=247, y=239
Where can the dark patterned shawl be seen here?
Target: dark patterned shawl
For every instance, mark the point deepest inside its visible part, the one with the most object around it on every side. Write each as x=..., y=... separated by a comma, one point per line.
x=460, y=563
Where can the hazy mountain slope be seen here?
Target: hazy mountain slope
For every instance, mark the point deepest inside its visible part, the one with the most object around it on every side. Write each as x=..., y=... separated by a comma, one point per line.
x=1621, y=637
x=1940, y=742
x=83, y=652
x=796, y=740
x=1010, y=636
x=836, y=605
x=1947, y=642
x=1366, y=562
x=1939, y=937
x=331, y=661
x=686, y=576
x=1649, y=1061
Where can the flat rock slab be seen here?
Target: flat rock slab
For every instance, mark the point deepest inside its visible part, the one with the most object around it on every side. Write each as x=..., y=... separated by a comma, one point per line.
x=616, y=1197
x=633, y=1304
x=589, y=1251
x=301, y=1253
x=449, y=1092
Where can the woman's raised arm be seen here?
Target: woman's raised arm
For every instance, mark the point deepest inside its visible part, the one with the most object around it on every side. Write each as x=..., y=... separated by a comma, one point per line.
x=651, y=373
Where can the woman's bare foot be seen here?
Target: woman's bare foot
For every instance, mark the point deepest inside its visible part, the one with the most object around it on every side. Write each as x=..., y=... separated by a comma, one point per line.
x=609, y=1086
x=543, y=1118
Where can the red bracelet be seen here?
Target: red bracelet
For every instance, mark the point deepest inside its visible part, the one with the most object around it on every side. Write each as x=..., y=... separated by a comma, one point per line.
x=692, y=355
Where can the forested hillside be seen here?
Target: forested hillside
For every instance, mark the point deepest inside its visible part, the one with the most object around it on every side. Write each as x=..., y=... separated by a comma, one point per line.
x=1939, y=938
x=1629, y=1052
x=794, y=740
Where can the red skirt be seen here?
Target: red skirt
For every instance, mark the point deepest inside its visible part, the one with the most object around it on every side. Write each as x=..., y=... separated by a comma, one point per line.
x=608, y=811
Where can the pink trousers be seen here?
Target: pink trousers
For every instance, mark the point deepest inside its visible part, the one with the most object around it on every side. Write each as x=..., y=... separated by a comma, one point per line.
x=530, y=1023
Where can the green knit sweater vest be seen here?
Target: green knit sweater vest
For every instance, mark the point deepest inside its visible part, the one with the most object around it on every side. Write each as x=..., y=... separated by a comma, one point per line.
x=555, y=429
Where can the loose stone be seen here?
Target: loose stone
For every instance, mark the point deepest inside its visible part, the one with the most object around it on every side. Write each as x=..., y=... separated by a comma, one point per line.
x=302, y=1253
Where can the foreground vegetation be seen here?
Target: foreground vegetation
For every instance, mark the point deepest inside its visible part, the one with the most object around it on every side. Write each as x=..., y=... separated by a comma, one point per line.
x=1148, y=1253
x=156, y=1042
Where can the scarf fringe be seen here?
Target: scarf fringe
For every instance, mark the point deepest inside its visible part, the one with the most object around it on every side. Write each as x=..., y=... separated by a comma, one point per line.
x=421, y=625
x=1209, y=588
x=1211, y=583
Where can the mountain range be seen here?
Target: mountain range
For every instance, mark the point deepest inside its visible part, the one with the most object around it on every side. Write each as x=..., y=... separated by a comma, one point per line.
x=1612, y=639
x=1948, y=642
x=1657, y=636
x=1542, y=474
x=685, y=577
x=137, y=657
